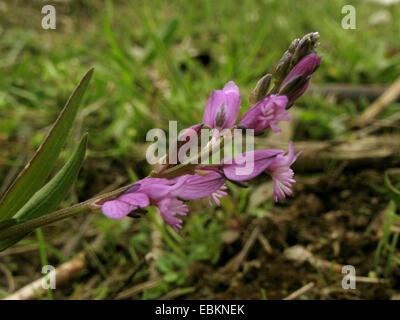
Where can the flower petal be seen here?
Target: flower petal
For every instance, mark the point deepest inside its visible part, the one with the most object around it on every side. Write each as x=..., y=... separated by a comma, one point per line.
x=265, y=114
x=169, y=208
x=222, y=107
x=116, y=209
x=232, y=97
x=135, y=198
x=197, y=186
x=216, y=100
x=249, y=164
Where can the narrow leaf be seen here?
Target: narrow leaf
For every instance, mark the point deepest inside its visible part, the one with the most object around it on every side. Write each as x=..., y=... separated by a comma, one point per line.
x=393, y=191
x=38, y=169
x=47, y=199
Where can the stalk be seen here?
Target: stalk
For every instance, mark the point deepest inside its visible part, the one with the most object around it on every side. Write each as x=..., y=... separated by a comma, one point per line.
x=87, y=206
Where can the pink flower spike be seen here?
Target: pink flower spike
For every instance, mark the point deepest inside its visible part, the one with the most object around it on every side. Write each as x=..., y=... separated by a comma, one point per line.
x=265, y=114
x=222, y=107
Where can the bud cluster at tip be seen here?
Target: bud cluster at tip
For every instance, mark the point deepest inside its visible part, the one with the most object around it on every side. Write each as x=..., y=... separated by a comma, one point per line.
x=298, y=49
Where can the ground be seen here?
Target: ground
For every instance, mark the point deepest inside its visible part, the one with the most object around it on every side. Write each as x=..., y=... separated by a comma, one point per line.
x=320, y=218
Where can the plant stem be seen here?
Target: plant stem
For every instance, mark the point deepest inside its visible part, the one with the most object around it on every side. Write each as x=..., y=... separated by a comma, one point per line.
x=84, y=207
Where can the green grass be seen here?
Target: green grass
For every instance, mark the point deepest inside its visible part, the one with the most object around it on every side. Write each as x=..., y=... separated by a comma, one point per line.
x=148, y=60
x=43, y=257
x=158, y=61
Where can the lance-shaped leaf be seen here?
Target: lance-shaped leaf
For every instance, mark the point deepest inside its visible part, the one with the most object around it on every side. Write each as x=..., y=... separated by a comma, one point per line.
x=38, y=169
x=47, y=199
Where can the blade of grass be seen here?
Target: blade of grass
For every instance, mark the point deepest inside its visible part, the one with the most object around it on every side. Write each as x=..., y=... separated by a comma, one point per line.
x=165, y=235
x=389, y=262
x=43, y=257
x=393, y=192
x=166, y=36
x=95, y=259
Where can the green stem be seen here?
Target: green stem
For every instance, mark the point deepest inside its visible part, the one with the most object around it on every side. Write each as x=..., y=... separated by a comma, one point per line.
x=84, y=207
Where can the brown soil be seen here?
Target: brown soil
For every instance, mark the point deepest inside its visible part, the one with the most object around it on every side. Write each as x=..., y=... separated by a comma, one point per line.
x=338, y=218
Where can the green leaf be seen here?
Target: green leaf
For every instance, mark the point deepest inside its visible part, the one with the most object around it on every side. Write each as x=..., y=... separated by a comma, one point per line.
x=47, y=199
x=393, y=191
x=38, y=169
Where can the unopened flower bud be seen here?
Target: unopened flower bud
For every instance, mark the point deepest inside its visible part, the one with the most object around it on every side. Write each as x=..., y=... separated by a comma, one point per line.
x=293, y=45
x=297, y=81
x=261, y=89
x=282, y=69
x=305, y=46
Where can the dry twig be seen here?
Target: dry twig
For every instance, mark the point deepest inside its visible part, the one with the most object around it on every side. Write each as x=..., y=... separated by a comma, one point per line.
x=265, y=243
x=235, y=263
x=137, y=289
x=315, y=154
x=389, y=96
x=9, y=277
x=63, y=274
x=300, y=292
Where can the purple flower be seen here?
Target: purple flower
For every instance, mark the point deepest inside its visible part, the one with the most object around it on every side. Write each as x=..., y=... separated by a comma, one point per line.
x=210, y=180
x=161, y=192
x=125, y=204
x=250, y=164
x=169, y=208
x=197, y=186
x=298, y=80
x=282, y=174
x=265, y=114
x=167, y=195
x=222, y=107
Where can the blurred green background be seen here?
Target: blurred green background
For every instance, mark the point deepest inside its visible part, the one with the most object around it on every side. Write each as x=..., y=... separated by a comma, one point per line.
x=160, y=60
